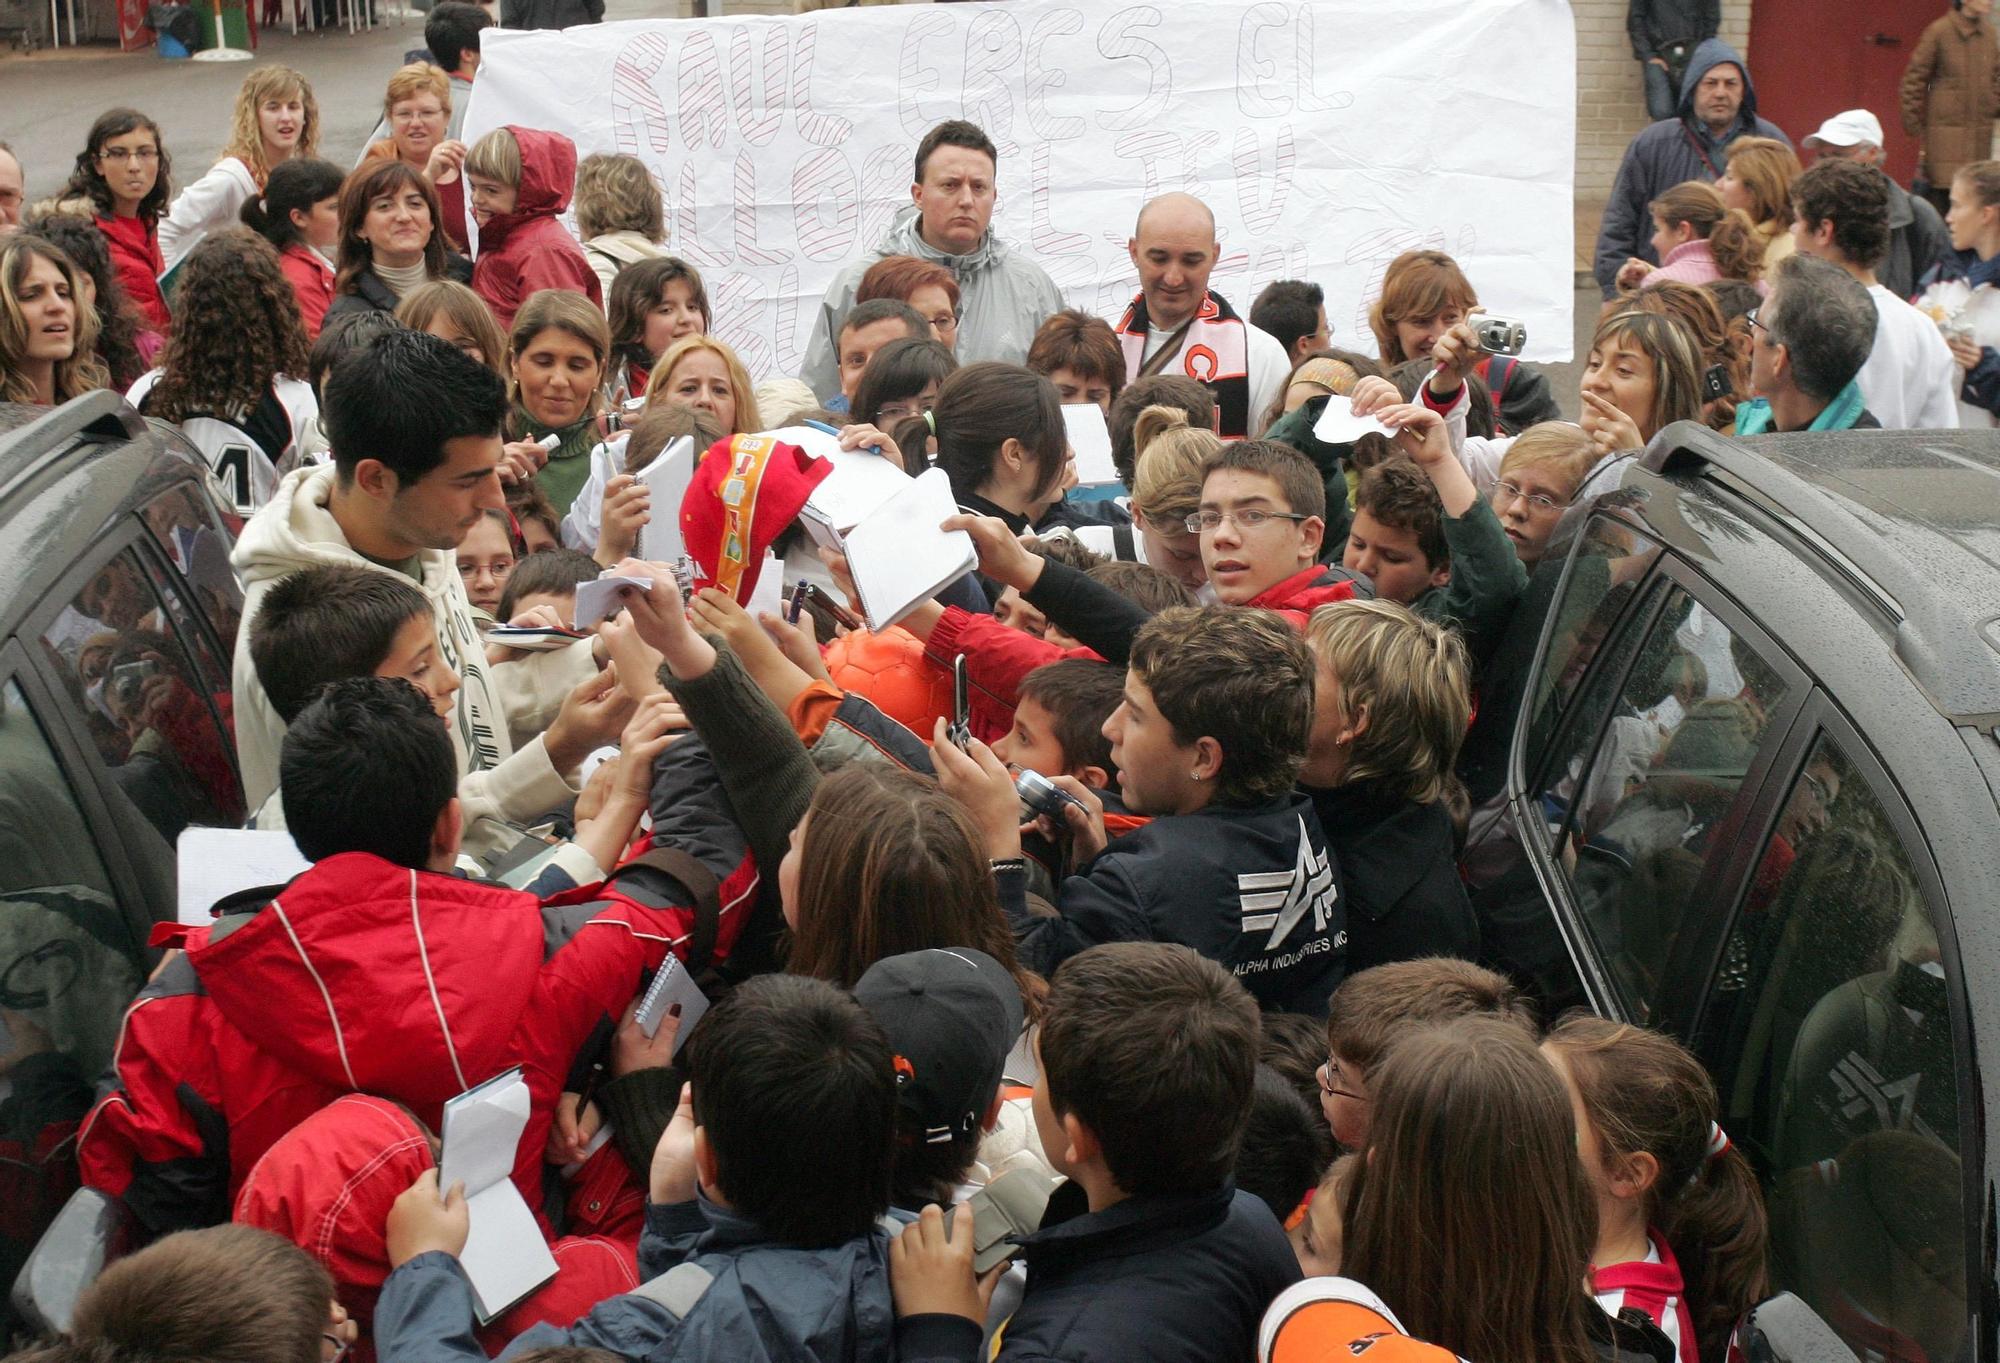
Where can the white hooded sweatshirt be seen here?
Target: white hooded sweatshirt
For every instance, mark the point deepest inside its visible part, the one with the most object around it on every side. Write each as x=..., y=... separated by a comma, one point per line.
x=295, y=530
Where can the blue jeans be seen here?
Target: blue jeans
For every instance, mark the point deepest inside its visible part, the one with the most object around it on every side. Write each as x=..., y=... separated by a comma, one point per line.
x=1662, y=94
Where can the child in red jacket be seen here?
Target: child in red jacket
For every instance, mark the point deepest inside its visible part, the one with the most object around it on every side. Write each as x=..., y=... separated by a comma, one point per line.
x=520, y=180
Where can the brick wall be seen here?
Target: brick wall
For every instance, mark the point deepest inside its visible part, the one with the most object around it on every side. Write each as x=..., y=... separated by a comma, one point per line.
x=1610, y=102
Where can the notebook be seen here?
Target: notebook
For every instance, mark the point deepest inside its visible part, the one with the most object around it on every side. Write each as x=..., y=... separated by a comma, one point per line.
x=1090, y=443
x=505, y=1257
x=899, y=557
x=859, y=483
x=214, y=863
x=668, y=477
x=671, y=984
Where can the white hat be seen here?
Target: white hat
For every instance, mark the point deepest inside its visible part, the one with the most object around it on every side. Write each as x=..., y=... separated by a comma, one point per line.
x=1844, y=130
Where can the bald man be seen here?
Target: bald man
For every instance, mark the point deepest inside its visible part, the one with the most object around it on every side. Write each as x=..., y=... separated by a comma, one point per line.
x=1176, y=326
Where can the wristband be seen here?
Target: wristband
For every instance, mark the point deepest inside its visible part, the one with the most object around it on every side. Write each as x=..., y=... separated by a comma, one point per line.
x=1001, y=865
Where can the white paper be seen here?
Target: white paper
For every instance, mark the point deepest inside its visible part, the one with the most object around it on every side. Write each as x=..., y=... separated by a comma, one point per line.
x=599, y=599
x=1338, y=425
x=505, y=1256
x=859, y=483
x=781, y=143
x=1090, y=442
x=217, y=862
x=531, y=638
x=671, y=985
x=899, y=557
x=668, y=477
x=769, y=595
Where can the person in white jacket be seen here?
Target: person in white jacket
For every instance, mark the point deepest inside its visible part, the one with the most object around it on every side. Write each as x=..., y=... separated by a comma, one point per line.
x=1003, y=295
x=1842, y=215
x=276, y=118
x=429, y=420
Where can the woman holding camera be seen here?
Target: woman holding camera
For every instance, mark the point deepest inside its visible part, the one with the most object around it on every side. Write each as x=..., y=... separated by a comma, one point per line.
x=1425, y=295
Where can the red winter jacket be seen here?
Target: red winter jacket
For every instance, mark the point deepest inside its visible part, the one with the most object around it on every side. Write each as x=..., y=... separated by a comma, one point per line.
x=1306, y=590
x=135, y=254
x=529, y=249
x=364, y=976
x=328, y=1186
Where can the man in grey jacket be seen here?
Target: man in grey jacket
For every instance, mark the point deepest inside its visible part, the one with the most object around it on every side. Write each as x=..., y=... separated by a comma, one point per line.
x=1003, y=296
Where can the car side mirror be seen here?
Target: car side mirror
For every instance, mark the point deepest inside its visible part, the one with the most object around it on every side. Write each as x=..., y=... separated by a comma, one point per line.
x=1783, y=1329
x=89, y=1232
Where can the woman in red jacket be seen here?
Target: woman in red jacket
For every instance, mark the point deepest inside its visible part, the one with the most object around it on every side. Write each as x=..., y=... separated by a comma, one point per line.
x=520, y=181
x=123, y=170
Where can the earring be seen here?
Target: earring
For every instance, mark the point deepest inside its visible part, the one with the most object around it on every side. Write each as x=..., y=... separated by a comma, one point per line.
x=1196, y=776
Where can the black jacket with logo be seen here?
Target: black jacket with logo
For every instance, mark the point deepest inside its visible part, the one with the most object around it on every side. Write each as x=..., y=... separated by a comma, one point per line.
x=1254, y=888
x=1400, y=869
x=1169, y=1277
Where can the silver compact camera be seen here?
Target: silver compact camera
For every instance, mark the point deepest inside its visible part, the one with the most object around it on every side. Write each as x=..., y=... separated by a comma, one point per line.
x=1500, y=335
x=1043, y=796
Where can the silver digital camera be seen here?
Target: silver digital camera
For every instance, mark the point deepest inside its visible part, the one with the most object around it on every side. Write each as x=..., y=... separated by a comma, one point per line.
x=1043, y=796
x=1499, y=335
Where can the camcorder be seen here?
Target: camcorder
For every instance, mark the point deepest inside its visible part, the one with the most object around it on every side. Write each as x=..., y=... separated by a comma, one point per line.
x=1499, y=335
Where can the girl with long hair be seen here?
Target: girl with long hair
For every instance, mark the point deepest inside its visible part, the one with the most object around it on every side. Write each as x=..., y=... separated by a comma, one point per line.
x=1000, y=438
x=556, y=358
x=389, y=242
x=1469, y=1212
x=275, y=119
x=48, y=333
x=299, y=214
x=651, y=304
x=1699, y=239
x=233, y=375
x=125, y=173
x=1681, y=1230
x=1962, y=294
x=124, y=343
x=900, y=384
x=704, y=373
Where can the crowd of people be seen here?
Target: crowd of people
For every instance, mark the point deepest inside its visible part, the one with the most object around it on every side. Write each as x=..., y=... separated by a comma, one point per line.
x=1201, y=1053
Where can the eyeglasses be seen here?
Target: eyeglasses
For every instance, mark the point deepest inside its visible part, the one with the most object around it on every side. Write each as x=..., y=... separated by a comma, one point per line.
x=1820, y=789
x=1246, y=520
x=1328, y=1070
x=415, y=115
x=947, y=321
x=123, y=154
x=1506, y=494
x=332, y=1347
x=1757, y=325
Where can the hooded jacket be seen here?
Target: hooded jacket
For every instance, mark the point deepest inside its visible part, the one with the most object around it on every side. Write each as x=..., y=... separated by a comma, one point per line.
x=1004, y=298
x=361, y=976
x=1666, y=153
x=1950, y=93
x=328, y=1185
x=497, y=784
x=1167, y=1277
x=1400, y=866
x=611, y=252
x=529, y=249
x=754, y=1300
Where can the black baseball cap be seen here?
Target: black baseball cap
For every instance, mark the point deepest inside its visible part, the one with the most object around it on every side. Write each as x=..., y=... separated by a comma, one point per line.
x=951, y=1014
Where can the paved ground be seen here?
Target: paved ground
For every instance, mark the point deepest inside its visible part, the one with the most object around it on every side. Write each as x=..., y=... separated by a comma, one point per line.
x=48, y=100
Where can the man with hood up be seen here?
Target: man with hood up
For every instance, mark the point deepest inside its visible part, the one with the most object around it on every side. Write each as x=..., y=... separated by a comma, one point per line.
x=1718, y=105
x=1003, y=296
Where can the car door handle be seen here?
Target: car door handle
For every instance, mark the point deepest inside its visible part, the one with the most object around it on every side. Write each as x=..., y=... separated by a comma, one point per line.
x=1885, y=40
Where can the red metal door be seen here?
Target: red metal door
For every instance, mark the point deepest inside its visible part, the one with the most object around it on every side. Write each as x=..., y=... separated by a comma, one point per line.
x=1812, y=60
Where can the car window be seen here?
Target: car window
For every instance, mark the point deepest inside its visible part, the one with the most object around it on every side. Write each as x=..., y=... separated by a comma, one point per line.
x=1645, y=812
x=1833, y=1048
x=190, y=530
x=151, y=713
x=1599, y=588
x=69, y=965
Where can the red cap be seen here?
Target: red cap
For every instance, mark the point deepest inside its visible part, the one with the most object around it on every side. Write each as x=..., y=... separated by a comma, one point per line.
x=746, y=490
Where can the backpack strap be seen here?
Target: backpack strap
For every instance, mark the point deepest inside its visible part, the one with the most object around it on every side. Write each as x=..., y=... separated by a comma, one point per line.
x=702, y=888
x=1122, y=547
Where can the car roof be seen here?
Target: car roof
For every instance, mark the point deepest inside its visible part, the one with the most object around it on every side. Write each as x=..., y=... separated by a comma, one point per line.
x=1911, y=518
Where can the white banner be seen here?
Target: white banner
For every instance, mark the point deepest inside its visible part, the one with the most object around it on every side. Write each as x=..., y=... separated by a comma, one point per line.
x=1326, y=136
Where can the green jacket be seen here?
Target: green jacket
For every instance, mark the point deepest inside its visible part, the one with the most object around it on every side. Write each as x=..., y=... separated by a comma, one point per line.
x=1486, y=580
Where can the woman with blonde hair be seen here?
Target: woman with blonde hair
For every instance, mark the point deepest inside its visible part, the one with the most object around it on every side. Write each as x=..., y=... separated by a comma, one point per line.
x=417, y=108
x=1699, y=239
x=705, y=373
x=1757, y=181
x=275, y=119
x=1166, y=489
x=48, y=332
x=452, y=312
x=556, y=356
x=619, y=215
